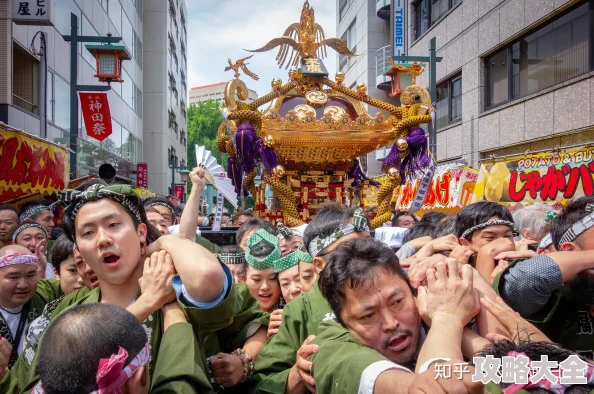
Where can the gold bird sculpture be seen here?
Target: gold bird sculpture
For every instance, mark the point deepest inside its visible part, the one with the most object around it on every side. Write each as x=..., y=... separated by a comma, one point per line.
x=241, y=64
x=306, y=39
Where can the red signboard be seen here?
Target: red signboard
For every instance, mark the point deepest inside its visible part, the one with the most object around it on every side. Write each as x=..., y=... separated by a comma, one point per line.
x=142, y=175
x=179, y=191
x=95, y=110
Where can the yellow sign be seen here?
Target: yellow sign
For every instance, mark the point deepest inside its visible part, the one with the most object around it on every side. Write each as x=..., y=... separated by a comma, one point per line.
x=29, y=164
x=549, y=178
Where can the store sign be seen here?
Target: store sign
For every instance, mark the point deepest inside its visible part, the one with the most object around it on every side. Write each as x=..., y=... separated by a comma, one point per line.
x=142, y=175
x=33, y=12
x=29, y=164
x=450, y=189
x=399, y=27
x=179, y=191
x=548, y=177
x=96, y=114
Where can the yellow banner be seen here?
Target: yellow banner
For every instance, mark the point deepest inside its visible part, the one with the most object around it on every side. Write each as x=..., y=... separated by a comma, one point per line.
x=29, y=164
x=549, y=177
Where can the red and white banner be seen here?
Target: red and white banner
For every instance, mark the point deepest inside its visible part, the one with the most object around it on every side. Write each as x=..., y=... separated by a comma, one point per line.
x=96, y=114
x=179, y=191
x=142, y=175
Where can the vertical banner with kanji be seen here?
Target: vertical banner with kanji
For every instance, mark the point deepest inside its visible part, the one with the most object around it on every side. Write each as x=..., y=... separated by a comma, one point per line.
x=142, y=175
x=179, y=191
x=96, y=114
x=216, y=226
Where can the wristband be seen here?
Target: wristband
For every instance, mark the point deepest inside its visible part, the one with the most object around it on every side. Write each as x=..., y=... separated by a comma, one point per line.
x=248, y=364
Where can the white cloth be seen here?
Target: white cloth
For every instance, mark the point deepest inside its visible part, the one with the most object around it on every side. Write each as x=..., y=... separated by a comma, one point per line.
x=372, y=372
x=392, y=236
x=12, y=319
x=49, y=271
x=174, y=230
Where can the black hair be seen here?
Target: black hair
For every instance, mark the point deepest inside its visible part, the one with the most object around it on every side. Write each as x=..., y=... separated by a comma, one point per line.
x=352, y=264
x=433, y=218
x=78, y=338
x=62, y=249
x=479, y=213
x=161, y=200
x=329, y=217
x=152, y=232
x=573, y=212
x=231, y=249
x=244, y=213
x=400, y=214
x=534, y=351
x=9, y=207
x=418, y=230
x=582, y=287
x=446, y=227
x=34, y=203
x=254, y=224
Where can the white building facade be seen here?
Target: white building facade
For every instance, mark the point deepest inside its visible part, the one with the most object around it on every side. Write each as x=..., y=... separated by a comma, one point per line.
x=215, y=92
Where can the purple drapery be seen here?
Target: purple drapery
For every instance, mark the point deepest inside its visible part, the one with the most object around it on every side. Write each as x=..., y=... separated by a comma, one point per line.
x=245, y=139
x=234, y=173
x=356, y=174
x=417, y=159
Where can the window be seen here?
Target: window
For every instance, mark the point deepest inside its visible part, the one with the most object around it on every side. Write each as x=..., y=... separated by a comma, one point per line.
x=137, y=101
x=127, y=88
x=127, y=32
x=554, y=53
x=62, y=14
x=61, y=103
x=350, y=38
x=429, y=12
x=448, y=104
x=25, y=83
x=114, y=11
x=343, y=7
x=50, y=96
x=137, y=50
x=88, y=30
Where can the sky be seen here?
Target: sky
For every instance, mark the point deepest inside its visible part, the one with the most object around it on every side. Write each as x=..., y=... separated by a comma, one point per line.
x=222, y=29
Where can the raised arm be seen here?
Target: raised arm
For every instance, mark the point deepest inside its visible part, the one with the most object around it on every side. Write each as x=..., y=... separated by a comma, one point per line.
x=191, y=213
x=200, y=272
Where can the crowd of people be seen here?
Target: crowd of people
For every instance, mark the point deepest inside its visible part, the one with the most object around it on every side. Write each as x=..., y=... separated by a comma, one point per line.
x=128, y=296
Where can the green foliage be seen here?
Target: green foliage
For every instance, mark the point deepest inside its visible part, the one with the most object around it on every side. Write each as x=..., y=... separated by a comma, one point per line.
x=203, y=122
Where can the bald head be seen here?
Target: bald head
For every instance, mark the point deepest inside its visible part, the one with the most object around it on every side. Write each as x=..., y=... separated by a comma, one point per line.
x=14, y=249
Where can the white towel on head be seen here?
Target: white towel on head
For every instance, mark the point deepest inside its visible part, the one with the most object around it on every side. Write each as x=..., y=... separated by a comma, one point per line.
x=299, y=230
x=391, y=236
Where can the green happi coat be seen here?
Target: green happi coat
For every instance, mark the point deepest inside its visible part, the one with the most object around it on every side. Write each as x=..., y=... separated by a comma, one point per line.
x=206, y=244
x=204, y=322
x=244, y=324
x=340, y=360
x=564, y=320
x=301, y=318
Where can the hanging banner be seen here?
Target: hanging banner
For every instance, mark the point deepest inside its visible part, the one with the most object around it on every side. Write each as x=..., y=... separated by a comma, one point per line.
x=142, y=175
x=399, y=27
x=29, y=164
x=179, y=191
x=549, y=177
x=450, y=189
x=96, y=114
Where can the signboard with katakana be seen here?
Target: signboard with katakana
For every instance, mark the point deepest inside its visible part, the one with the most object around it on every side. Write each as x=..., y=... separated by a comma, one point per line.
x=96, y=114
x=32, y=12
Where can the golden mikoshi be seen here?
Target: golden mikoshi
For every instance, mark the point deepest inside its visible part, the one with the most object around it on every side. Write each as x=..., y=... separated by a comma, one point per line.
x=305, y=139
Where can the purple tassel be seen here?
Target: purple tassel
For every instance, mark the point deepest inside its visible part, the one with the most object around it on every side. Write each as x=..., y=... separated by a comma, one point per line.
x=418, y=159
x=356, y=174
x=234, y=173
x=245, y=139
x=269, y=158
x=392, y=160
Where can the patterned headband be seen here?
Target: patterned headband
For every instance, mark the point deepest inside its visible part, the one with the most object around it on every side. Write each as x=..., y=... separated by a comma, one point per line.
x=268, y=261
x=231, y=258
x=112, y=374
x=578, y=228
x=545, y=242
x=123, y=194
x=18, y=258
x=284, y=231
x=359, y=225
x=25, y=226
x=490, y=223
x=29, y=213
x=292, y=259
x=162, y=204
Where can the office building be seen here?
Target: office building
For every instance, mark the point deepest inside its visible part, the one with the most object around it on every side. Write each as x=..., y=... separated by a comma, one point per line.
x=516, y=75
x=215, y=92
x=148, y=109
x=165, y=90
x=20, y=98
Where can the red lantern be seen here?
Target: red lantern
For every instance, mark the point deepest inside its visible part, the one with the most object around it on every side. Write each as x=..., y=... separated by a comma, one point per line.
x=109, y=61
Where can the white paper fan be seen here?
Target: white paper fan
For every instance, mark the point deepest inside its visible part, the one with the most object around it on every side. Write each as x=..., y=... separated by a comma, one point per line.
x=216, y=174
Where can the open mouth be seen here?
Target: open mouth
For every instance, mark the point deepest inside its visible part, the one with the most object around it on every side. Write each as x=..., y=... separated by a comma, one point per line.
x=109, y=258
x=399, y=342
x=94, y=280
x=266, y=297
